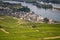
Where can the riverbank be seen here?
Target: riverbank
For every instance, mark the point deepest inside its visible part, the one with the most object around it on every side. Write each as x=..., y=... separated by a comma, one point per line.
x=56, y=8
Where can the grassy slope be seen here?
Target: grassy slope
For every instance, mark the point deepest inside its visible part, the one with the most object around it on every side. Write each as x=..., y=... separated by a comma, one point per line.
x=25, y=32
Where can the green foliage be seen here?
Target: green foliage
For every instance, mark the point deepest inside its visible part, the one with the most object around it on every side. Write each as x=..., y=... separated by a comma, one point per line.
x=52, y=1
x=24, y=32
x=25, y=9
x=46, y=20
x=33, y=26
x=0, y=26
x=15, y=7
x=45, y=6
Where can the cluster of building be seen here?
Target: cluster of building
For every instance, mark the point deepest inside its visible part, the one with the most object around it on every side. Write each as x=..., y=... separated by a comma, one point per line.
x=31, y=16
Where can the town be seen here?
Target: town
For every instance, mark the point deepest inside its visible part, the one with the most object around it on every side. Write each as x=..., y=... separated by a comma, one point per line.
x=26, y=14
x=29, y=20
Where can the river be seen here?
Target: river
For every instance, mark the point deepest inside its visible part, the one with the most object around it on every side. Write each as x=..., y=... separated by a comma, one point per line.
x=49, y=13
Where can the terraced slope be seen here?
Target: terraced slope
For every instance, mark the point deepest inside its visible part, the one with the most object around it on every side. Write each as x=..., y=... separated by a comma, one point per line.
x=22, y=29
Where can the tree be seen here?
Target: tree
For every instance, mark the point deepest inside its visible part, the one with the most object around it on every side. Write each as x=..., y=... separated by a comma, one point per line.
x=25, y=9
x=46, y=20
x=0, y=26
x=33, y=26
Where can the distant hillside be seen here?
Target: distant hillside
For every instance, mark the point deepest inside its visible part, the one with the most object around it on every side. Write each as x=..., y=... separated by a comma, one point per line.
x=53, y=1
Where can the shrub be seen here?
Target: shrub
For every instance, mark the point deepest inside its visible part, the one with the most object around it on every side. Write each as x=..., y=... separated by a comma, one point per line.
x=46, y=20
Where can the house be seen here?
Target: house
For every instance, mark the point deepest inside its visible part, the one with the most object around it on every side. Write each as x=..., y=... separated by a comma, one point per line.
x=50, y=21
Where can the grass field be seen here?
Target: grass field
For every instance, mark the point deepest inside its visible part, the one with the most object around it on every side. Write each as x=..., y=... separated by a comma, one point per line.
x=24, y=31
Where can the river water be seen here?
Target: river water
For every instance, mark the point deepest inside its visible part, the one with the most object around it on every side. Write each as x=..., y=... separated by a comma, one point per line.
x=49, y=13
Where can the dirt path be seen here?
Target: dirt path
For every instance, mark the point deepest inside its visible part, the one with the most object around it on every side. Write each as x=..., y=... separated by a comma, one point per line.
x=52, y=37
x=4, y=30
x=1, y=18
